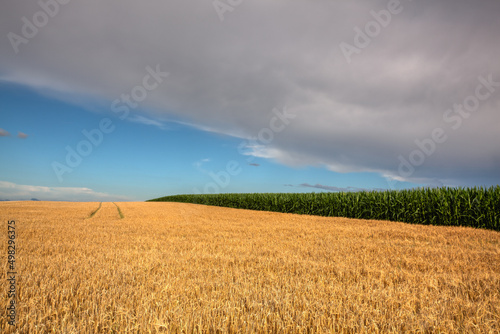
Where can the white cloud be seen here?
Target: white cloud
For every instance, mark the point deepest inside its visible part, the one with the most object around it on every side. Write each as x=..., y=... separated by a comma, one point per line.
x=14, y=192
x=200, y=163
x=332, y=188
x=146, y=121
x=22, y=135
x=4, y=133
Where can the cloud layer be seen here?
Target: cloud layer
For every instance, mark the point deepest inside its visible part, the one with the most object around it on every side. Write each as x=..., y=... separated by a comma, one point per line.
x=18, y=192
x=227, y=76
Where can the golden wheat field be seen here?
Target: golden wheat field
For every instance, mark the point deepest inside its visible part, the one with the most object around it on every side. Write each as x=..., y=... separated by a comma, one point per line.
x=185, y=268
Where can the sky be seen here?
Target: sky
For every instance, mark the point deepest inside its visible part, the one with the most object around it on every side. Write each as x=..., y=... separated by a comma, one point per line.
x=128, y=101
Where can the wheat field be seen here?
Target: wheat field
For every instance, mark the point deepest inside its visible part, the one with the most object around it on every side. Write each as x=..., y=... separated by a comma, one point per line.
x=185, y=268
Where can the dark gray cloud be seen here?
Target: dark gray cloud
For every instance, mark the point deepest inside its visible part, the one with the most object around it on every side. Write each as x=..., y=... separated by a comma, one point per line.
x=228, y=76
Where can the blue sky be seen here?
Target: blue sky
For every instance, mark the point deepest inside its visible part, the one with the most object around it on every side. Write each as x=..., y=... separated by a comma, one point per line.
x=137, y=161
x=187, y=97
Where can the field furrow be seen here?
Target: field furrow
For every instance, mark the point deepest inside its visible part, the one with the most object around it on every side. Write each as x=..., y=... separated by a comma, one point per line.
x=107, y=211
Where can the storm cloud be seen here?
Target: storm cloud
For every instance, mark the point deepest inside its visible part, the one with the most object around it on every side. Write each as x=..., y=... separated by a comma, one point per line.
x=409, y=90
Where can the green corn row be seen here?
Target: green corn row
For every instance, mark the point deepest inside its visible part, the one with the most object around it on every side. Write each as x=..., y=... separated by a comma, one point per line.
x=475, y=207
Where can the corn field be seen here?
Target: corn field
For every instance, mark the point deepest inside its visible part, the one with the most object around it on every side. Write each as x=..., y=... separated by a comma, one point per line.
x=474, y=207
